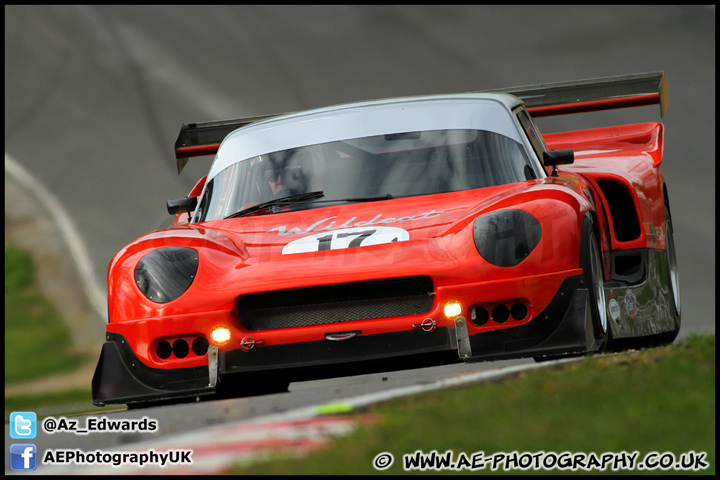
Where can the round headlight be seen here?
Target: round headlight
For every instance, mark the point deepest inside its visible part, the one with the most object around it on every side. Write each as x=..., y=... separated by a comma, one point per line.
x=505, y=237
x=164, y=274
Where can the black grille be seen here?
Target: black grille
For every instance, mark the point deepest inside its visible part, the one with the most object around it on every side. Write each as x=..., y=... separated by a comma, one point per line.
x=336, y=303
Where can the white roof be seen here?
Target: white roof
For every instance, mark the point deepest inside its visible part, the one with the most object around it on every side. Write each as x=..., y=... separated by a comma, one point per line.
x=473, y=111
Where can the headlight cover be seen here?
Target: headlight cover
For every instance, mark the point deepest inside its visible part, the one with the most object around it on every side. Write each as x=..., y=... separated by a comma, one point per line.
x=505, y=237
x=164, y=274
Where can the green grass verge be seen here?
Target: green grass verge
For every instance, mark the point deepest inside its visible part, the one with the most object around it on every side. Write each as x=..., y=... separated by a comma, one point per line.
x=659, y=400
x=37, y=341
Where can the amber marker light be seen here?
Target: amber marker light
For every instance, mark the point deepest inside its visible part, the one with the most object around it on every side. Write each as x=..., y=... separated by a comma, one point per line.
x=452, y=309
x=220, y=335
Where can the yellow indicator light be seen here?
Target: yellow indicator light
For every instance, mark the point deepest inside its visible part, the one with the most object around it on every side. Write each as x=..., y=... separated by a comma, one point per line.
x=452, y=309
x=220, y=335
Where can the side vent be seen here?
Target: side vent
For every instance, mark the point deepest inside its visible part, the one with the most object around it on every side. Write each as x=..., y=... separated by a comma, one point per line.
x=622, y=210
x=629, y=267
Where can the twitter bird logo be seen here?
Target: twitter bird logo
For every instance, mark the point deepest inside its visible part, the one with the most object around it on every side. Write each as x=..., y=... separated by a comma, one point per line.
x=23, y=425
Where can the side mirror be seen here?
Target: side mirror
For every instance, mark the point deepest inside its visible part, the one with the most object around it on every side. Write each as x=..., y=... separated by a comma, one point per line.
x=554, y=158
x=182, y=205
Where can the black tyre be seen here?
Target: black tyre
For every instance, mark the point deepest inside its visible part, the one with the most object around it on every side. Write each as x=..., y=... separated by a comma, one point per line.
x=673, y=280
x=591, y=263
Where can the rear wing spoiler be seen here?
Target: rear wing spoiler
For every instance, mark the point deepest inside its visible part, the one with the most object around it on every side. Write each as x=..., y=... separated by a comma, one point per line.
x=204, y=138
x=592, y=95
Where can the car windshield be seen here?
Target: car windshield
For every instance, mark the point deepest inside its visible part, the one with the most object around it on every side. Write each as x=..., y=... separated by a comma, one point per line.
x=401, y=164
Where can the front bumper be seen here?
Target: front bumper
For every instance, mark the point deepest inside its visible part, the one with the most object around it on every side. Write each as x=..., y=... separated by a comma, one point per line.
x=120, y=377
x=563, y=327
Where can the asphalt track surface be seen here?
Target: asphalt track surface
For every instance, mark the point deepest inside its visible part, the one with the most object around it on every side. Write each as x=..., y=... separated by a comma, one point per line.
x=95, y=96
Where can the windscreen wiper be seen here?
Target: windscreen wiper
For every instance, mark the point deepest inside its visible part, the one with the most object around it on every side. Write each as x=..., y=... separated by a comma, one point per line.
x=371, y=198
x=278, y=203
x=303, y=198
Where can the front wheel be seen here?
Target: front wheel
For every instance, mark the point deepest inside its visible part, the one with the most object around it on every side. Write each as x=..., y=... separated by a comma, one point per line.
x=591, y=263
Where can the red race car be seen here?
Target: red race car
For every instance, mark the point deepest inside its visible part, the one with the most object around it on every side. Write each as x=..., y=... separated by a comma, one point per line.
x=395, y=234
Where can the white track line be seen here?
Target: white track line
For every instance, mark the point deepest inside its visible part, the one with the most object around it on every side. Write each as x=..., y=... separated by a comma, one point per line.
x=67, y=229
